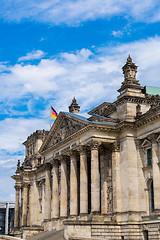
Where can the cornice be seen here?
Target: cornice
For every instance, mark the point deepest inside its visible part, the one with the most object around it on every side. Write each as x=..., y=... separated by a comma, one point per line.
x=99, y=107
x=147, y=99
x=130, y=85
x=124, y=124
x=148, y=117
x=34, y=136
x=97, y=126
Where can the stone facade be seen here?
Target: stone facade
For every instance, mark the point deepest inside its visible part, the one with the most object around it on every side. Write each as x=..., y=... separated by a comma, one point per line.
x=96, y=177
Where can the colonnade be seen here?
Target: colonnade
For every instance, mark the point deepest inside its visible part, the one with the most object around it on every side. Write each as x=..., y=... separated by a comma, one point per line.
x=79, y=189
x=78, y=198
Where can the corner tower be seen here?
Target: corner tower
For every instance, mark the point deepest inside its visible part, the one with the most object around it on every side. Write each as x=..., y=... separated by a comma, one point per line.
x=130, y=86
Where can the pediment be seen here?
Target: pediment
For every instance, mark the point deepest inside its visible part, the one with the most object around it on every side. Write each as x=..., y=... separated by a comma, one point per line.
x=158, y=139
x=146, y=143
x=64, y=127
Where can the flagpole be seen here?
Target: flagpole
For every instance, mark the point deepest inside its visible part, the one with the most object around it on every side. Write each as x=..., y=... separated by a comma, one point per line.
x=50, y=116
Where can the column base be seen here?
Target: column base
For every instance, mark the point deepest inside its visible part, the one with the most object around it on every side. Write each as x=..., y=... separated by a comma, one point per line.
x=16, y=229
x=95, y=213
x=47, y=220
x=83, y=217
x=83, y=214
x=63, y=217
x=54, y=218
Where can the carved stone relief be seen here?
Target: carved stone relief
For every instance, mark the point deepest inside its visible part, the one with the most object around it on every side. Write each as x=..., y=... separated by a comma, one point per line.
x=67, y=128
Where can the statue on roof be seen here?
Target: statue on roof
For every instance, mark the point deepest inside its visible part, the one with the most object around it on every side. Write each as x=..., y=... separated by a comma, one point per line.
x=18, y=166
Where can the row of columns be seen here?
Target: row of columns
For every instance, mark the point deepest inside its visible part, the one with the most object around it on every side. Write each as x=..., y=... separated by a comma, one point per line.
x=20, y=218
x=55, y=204
x=95, y=188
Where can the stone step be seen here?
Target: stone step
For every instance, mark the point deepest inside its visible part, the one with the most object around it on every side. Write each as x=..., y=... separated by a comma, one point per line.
x=48, y=235
x=6, y=237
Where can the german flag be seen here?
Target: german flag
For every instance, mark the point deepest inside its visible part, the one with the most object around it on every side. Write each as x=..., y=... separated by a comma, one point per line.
x=53, y=113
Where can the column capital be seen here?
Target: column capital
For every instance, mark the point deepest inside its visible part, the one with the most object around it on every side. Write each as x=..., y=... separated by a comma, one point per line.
x=63, y=159
x=73, y=152
x=47, y=166
x=26, y=184
x=55, y=163
x=17, y=187
x=94, y=144
x=82, y=149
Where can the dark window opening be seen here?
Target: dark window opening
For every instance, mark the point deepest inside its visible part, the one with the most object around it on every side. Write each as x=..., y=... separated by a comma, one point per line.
x=145, y=234
x=149, y=157
x=152, y=197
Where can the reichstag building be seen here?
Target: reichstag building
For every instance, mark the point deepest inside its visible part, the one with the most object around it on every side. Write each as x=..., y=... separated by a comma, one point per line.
x=96, y=177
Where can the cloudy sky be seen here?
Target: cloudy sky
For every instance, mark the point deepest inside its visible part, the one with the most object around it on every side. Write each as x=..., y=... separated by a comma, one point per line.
x=53, y=50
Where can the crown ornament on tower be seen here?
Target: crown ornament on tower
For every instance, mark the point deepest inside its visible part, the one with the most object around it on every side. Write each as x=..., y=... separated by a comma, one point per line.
x=74, y=107
x=129, y=71
x=130, y=85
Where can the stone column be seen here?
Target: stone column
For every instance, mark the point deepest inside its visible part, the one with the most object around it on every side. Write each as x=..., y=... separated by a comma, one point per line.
x=47, y=204
x=55, y=190
x=25, y=202
x=73, y=185
x=16, y=215
x=31, y=204
x=63, y=201
x=103, y=169
x=83, y=182
x=21, y=212
x=156, y=176
x=95, y=188
x=116, y=178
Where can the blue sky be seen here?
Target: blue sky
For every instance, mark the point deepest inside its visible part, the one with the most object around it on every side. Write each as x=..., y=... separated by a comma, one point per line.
x=52, y=50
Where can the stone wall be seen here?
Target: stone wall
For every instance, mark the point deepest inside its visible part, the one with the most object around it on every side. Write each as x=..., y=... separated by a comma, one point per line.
x=111, y=231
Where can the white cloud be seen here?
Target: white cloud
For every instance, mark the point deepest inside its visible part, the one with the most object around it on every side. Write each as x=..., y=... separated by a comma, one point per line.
x=38, y=54
x=74, y=12
x=76, y=73
x=118, y=33
x=14, y=131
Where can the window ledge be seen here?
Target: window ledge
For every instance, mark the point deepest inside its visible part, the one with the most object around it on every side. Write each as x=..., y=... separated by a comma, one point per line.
x=147, y=167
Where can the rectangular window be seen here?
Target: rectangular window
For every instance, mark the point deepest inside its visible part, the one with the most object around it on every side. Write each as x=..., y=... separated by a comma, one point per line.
x=149, y=156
